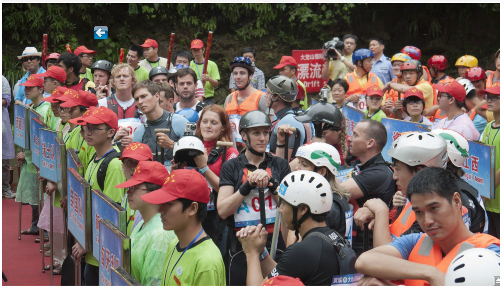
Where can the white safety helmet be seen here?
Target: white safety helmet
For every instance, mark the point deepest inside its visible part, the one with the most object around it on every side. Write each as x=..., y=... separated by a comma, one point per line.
x=473, y=267
x=456, y=145
x=466, y=84
x=309, y=188
x=187, y=148
x=420, y=148
x=321, y=155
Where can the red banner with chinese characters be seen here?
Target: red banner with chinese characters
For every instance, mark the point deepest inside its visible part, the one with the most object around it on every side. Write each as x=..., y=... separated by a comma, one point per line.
x=310, y=64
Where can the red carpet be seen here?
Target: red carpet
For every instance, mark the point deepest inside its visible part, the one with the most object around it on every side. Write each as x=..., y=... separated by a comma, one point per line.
x=21, y=259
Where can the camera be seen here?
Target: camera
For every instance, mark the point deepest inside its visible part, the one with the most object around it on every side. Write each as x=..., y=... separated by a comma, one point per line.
x=190, y=129
x=330, y=46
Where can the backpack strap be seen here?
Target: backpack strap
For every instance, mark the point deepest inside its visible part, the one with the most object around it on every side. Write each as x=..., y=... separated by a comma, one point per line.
x=214, y=154
x=103, y=168
x=336, y=244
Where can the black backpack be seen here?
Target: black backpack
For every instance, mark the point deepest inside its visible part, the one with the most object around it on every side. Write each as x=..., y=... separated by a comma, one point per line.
x=345, y=255
x=103, y=168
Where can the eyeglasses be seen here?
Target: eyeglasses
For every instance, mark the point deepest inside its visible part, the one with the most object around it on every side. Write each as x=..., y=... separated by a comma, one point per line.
x=92, y=129
x=492, y=98
x=32, y=58
x=133, y=189
x=413, y=101
x=85, y=56
x=445, y=94
x=64, y=109
x=375, y=98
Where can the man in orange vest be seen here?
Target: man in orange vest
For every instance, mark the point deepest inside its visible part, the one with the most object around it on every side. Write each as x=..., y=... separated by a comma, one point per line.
x=246, y=98
x=422, y=259
x=361, y=79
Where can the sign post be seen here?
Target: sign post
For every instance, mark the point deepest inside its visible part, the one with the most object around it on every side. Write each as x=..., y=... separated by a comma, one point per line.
x=120, y=277
x=21, y=127
x=115, y=251
x=36, y=122
x=79, y=217
x=72, y=161
x=48, y=164
x=395, y=128
x=61, y=173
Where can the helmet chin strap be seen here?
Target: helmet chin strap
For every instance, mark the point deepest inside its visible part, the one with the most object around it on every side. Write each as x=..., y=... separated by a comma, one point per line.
x=418, y=79
x=246, y=85
x=272, y=102
x=249, y=148
x=296, y=224
x=363, y=68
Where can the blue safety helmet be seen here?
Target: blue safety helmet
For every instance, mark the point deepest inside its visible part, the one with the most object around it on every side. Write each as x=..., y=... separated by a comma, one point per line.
x=190, y=114
x=361, y=54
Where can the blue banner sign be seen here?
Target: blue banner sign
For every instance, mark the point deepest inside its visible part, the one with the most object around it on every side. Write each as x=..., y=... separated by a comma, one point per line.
x=105, y=208
x=72, y=160
x=48, y=163
x=479, y=168
x=35, y=126
x=21, y=126
x=352, y=117
x=395, y=128
x=78, y=221
x=60, y=151
x=120, y=277
x=115, y=251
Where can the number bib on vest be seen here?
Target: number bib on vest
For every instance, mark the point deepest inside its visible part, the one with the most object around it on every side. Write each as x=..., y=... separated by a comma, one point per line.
x=248, y=212
x=210, y=205
x=349, y=219
x=361, y=105
x=235, y=123
x=129, y=124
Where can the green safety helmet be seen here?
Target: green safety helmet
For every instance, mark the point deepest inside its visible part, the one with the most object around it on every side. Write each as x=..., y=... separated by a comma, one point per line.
x=322, y=112
x=283, y=86
x=254, y=118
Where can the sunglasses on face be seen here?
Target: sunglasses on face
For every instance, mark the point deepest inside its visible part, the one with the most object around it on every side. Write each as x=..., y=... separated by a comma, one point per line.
x=31, y=58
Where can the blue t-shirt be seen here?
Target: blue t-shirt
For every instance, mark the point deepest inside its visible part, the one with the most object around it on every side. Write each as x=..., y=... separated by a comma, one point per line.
x=20, y=90
x=289, y=118
x=406, y=243
x=383, y=69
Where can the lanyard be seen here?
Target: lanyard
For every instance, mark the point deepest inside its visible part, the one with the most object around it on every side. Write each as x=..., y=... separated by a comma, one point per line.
x=453, y=119
x=489, y=143
x=95, y=164
x=196, y=64
x=132, y=215
x=190, y=244
x=66, y=137
x=38, y=105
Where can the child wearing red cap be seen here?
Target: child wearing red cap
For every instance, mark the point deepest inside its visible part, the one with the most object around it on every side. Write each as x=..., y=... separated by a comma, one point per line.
x=54, y=77
x=99, y=126
x=149, y=240
x=27, y=190
x=414, y=105
x=451, y=100
x=489, y=137
x=374, y=96
x=192, y=258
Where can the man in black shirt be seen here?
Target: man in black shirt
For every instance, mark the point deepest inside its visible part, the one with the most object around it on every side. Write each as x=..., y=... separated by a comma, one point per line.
x=306, y=199
x=371, y=177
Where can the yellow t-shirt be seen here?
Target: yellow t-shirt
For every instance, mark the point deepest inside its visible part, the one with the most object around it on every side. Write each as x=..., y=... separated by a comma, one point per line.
x=338, y=69
x=426, y=88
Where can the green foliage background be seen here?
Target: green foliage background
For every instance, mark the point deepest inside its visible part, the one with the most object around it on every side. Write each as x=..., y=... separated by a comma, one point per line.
x=273, y=29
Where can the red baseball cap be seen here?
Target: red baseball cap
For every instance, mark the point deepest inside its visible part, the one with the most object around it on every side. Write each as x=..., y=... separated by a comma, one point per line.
x=182, y=183
x=147, y=172
x=83, y=50
x=414, y=92
x=80, y=97
x=286, y=61
x=454, y=89
x=137, y=151
x=53, y=56
x=34, y=80
x=197, y=44
x=55, y=72
x=282, y=280
x=56, y=94
x=150, y=43
x=494, y=89
x=374, y=90
x=97, y=116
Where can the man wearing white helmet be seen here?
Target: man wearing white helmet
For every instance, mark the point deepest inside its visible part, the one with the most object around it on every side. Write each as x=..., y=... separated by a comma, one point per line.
x=424, y=258
x=306, y=199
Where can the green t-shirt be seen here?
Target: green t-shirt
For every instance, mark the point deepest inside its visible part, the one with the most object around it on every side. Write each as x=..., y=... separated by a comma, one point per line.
x=213, y=72
x=149, y=248
x=114, y=176
x=201, y=264
x=42, y=109
x=88, y=74
x=142, y=73
x=489, y=137
x=51, y=120
x=377, y=116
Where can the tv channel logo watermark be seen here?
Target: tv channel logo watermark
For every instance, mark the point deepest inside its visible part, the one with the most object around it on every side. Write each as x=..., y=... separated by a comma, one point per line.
x=100, y=32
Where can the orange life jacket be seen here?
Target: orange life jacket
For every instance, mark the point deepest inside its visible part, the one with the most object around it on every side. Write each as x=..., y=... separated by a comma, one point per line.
x=356, y=88
x=472, y=114
x=393, y=94
x=489, y=78
x=426, y=70
x=440, y=114
x=428, y=252
x=249, y=104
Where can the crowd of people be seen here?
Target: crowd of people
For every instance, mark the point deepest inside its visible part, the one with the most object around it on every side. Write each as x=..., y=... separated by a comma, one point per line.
x=197, y=178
